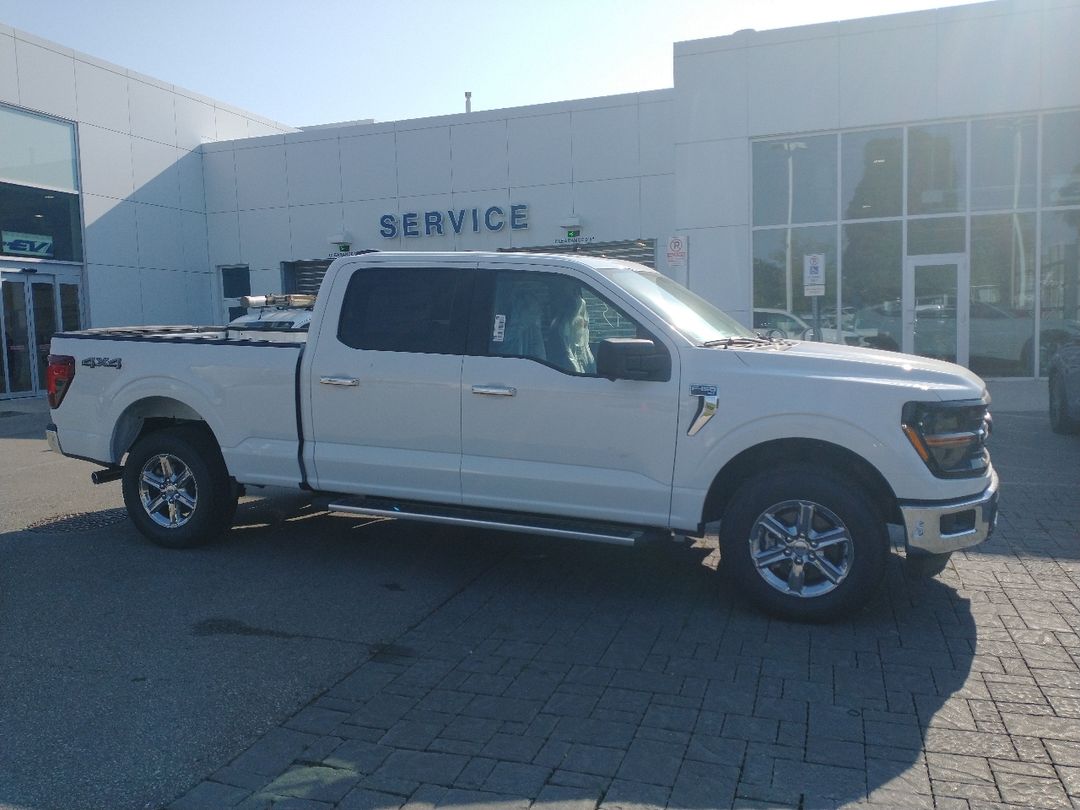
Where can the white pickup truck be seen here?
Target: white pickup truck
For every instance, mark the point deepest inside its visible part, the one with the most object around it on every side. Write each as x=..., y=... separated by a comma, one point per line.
x=578, y=397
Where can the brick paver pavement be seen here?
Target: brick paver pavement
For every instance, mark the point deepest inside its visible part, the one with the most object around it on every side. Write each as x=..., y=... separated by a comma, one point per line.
x=583, y=677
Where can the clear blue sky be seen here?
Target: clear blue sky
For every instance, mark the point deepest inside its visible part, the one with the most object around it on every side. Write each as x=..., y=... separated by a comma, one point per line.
x=324, y=61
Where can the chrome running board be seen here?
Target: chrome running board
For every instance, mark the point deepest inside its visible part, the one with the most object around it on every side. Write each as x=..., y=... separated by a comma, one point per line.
x=492, y=519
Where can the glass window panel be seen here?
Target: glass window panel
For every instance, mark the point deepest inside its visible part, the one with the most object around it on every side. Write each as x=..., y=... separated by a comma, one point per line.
x=871, y=283
x=37, y=151
x=873, y=174
x=403, y=310
x=235, y=281
x=16, y=334
x=797, y=175
x=934, y=332
x=70, y=319
x=40, y=223
x=1061, y=159
x=44, y=297
x=1060, y=294
x=936, y=169
x=1003, y=163
x=1002, y=294
x=940, y=235
x=553, y=319
x=780, y=306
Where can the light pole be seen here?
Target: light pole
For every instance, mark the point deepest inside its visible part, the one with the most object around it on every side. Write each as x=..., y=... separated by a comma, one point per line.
x=789, y=147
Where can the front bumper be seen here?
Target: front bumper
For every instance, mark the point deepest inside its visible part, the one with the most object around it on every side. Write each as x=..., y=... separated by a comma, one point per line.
x=941, y=527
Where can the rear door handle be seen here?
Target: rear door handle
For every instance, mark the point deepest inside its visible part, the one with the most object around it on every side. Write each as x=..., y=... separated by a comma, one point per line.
x=339, y=380
x=494, y=390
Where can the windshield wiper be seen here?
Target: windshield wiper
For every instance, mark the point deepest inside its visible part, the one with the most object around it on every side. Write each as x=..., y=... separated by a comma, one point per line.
x=737, y=340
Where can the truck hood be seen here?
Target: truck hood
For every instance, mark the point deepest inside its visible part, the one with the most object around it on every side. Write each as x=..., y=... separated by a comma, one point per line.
x=853, y=364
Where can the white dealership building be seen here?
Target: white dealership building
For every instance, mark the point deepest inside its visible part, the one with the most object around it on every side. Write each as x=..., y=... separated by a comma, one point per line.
x=923, y=167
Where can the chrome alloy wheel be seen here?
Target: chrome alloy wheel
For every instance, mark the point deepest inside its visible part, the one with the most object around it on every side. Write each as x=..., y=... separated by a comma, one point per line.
x=168, y=491
x=801, y=548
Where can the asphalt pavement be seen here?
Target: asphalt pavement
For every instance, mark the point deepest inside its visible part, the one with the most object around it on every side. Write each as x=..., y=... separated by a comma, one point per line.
x=321, y=661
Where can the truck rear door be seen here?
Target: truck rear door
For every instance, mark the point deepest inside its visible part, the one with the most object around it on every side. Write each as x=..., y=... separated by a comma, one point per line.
x=385, y=416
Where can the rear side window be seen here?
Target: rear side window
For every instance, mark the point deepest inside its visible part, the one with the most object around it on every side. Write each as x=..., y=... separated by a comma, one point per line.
x=416, y=310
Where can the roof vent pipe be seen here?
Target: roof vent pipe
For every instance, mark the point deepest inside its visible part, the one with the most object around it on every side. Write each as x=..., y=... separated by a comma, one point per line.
x=468, y=101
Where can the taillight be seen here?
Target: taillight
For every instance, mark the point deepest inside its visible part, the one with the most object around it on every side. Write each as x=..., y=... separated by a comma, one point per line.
x=59, y=376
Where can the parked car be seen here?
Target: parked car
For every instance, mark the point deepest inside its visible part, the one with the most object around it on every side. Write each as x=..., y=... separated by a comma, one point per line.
x=1000, y=340
x=779, y=323
x=582, y=398
x=1064, y=374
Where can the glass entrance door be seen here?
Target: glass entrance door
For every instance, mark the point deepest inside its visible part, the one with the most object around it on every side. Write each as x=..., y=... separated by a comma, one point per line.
x=936, y=292
x=33, y=307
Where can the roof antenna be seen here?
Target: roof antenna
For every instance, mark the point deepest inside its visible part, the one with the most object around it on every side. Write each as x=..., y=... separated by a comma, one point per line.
x=468, y=101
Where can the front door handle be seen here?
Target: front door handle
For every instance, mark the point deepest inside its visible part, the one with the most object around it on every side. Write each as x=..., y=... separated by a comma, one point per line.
x=494, y=390
x=339, y=380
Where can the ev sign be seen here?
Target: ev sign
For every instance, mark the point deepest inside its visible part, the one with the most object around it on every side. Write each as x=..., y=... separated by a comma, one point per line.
x=26, y=244
x=813, y=274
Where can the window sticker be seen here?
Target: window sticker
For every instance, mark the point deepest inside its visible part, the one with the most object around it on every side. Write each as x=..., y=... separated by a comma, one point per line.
x=498, y=332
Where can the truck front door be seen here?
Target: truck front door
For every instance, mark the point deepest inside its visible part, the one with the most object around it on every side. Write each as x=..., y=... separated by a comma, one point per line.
x=541, y=432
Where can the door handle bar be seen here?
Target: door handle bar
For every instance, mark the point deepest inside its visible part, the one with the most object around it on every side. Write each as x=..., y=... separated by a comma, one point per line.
x=350, y=381
x=494, y=390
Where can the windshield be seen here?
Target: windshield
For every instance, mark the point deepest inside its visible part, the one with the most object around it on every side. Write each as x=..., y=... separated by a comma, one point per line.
x=689, y=313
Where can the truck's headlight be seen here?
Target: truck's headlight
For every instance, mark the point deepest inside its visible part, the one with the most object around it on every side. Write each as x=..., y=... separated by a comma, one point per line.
x=949, y=436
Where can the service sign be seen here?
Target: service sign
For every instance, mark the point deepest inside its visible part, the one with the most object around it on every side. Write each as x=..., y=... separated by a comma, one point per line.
x=27, y=244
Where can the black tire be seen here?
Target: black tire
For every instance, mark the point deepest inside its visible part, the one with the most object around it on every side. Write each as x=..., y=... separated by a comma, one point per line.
x=1060, y=421
x=925, y=566
x=177, y=489
x=830, y=525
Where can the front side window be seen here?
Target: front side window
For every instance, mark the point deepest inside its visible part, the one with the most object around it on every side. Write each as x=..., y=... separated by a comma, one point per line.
x=414, y=310
x=553, y=319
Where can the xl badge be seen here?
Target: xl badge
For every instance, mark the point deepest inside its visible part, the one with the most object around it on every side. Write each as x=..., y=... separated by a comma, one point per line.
x=103, y=362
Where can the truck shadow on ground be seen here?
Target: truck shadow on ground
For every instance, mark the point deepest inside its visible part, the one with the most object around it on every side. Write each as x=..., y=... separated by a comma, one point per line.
x=566, y=671
x=276, y=666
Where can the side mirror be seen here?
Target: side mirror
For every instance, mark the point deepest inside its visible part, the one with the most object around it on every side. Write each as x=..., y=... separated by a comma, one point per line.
x=633, y=359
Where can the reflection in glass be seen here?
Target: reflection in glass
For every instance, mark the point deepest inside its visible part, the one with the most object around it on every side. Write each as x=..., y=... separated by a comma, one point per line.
x=37, y=151
x=935, y=331
x=1003, y=163
x=936, y=169
x=1060, y=292
x=1002, y=319
x=40, y=223
x=872, y=174
x=939, y=235
x=1061, y=159
x=795, y=180
x=69, y=308
x=870, y=294
x=778, y=295
x=44, y=297
x=16, y=334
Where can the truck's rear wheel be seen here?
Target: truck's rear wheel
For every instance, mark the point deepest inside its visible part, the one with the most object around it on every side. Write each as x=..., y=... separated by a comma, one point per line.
x=177, y=489
x=804, y=544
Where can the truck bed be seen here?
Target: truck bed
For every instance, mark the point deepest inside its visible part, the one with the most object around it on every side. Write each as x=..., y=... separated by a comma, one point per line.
x=244, y=389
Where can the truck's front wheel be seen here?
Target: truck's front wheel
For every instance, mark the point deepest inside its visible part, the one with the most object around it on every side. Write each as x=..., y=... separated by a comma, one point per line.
x=177, y=489
x=803, y=543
